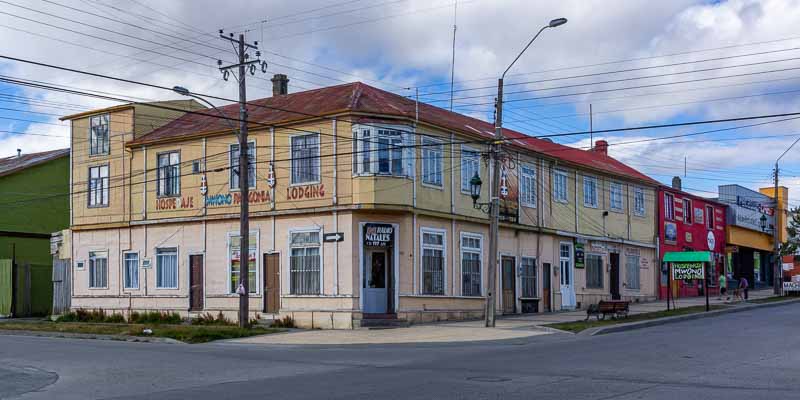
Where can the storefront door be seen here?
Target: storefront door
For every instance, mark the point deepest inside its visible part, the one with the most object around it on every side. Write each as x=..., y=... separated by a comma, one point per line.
x=614, y=275
x=567, y=278
x=375, y=290
x=509, y=286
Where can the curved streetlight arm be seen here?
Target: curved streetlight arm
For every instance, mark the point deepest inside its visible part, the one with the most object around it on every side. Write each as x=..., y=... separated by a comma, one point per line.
x=185, y=92
x=523, y=51
x=787, y=150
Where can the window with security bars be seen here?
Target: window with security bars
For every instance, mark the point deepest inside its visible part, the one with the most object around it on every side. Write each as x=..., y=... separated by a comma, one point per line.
x=527, y=186
x=590, y=191
x=383, y=152
x=98, y=135
x=131, y=272
x=470, y=265
x=234, y=165
x=305, y=159
x=432, y=163
x=235, y=257
x=594, y=271
x=98, y=186
x=305, y=263
x=433, y=263
x=167, y=268
x=632, y=272
x=615, y=196
x=470, y=165
x=528, y=277
x=98, y=270
x=169, y=174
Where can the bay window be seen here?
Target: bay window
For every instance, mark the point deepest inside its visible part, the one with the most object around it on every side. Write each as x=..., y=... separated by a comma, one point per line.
x=383, y=151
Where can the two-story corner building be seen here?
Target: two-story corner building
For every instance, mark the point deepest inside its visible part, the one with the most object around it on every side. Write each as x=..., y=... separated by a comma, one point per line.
x=359, y=207
x=689, y=222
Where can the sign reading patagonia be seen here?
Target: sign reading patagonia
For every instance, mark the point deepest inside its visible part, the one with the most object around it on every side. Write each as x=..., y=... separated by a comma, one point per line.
x=687, y=271
x=378, y=235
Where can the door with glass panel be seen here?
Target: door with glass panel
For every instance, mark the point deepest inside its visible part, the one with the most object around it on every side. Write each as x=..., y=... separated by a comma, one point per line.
x=375, y=288
x=509, y=285
x=567, y=276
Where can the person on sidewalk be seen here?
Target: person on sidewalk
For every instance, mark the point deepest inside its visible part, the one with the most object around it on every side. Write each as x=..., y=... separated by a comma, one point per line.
x=743, y=284
x=723, y=287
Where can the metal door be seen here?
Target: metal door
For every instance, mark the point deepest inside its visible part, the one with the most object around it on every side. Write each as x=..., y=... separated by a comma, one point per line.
x=509, y=285
x=272, y=285
x=613, y=259
x=196, y=282
x=375, y=291
x=567, y=276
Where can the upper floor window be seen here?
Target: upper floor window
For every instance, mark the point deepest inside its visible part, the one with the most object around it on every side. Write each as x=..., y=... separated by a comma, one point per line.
x=383, y=151
x=590, y=191
x=687, y=211
x=669, y=206
x=169, y=174
x=470, y=165
x=527, y=186
x=616, y=202
x=98, y=134
x=560, y=186
x=709, y=217
x=98, y=186
x=251, y=165
x=432, y=163
x=638, y=202
x=305, y=159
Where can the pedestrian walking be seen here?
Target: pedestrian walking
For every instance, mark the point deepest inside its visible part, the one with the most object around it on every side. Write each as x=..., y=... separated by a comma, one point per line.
x=743, y=285
x=723, y=287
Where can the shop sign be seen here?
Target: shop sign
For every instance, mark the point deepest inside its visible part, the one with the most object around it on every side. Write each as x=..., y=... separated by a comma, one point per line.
x=670, y=232
x=580, y=255
x=612, y=248
x=791, y=286
x=253, y=197
x=788, y=266
x=687, y=271
x=598, y=247
x=630, y=251
x=746, y=207
x=378, y=235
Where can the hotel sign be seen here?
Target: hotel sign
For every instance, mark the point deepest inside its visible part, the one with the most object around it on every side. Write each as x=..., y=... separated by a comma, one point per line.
x=378, y=235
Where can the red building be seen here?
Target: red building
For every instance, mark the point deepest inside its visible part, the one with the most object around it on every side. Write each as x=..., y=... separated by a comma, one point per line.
x=690, y=223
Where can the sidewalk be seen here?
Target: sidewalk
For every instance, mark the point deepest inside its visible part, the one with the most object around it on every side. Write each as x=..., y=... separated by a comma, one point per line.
x=508, y=327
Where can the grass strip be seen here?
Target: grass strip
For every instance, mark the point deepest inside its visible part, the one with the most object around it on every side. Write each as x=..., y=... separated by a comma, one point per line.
x=183, y=333
x=577, y=326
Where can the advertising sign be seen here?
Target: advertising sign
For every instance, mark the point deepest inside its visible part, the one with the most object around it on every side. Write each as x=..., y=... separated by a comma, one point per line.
x=580, y=255
x=791, y=286
x=378, y=235
x=746, y=207
x=687, y=271
x=670, y=232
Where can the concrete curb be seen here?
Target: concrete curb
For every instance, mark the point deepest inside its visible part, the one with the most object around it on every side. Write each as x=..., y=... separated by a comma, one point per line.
x=603, y=330
x=72, y=335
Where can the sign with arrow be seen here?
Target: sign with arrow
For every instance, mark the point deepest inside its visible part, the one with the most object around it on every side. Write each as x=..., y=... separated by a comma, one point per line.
x=333, y=237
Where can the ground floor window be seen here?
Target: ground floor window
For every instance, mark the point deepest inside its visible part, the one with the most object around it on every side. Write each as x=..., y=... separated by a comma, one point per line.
x=305, y=263
x=528, y=277
x=594, y=271
x=433, y=262
x=632, y=272
x=167, y=268
x=235, y=257
x=98, y=270
x=471, y=265
x=131, y=272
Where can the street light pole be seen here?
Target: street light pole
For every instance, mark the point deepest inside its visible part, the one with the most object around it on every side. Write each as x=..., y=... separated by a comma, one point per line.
x=494, y=185
x=776, y=266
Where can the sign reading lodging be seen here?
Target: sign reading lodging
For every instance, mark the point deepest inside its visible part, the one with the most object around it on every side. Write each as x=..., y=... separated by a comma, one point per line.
x=378, y=235
x=687, y=271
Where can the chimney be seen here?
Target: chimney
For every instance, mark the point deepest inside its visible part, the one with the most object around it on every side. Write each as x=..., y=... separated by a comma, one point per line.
x=280, y=85
x=19, y=153
x=676, y=183
x=601, y=146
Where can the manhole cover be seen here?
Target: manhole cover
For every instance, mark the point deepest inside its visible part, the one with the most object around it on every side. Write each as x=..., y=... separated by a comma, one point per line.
x=492, y=379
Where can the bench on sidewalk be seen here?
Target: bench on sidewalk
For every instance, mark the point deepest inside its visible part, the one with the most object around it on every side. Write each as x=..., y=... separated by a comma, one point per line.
x=616, y=308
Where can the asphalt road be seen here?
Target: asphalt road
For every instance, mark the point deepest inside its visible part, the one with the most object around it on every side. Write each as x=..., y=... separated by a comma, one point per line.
x=747, y=355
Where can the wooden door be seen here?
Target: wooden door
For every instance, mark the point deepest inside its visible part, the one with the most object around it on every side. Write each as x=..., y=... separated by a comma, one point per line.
x=546, y=277
x=614, y=276
x=196, y=282
x=272, y=286
x=509, y=286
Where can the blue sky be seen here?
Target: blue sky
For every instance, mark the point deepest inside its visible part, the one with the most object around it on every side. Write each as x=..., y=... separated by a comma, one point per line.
x=734, y=59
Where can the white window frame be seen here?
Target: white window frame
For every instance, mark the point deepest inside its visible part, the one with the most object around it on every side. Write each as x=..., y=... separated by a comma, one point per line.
x=177, y=268
x=254, y=238
x=288, y=280
x=586, y=180
x=688, y=217
x=639, y=208
x=231, y=165
x=125, y=283
x=93, y=255
x=315, y=161
x=106, y=143
x=615, y=189
x=710, y=220
x=479, y=251
x=432, y=147
x=443, y=248
x=103, y=191
x=522, y=277
x=669, y=206
x=467, y=170
x=527, y=185
x=628, y=266
x=161, y=179
x=557, y=193
x=366, y=157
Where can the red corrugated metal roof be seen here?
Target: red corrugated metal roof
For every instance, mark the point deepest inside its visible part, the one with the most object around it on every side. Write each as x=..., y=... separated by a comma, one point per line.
x=10, y=165
x=362, y=98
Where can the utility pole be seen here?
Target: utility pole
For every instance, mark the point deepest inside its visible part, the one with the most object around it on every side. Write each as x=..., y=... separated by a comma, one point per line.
x=242, y=68
x=776, y=263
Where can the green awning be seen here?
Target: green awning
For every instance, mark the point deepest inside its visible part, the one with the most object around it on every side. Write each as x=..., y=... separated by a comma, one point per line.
x=687, y=256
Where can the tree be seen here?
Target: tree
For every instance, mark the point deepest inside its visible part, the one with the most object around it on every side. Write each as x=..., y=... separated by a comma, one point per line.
x=792, y=228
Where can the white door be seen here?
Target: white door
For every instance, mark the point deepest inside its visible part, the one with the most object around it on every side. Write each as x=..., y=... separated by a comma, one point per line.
x=567, y=277
x=375, y=293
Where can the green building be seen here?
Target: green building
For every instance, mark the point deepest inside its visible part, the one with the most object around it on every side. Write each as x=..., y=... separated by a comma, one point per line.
x=34, y=203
